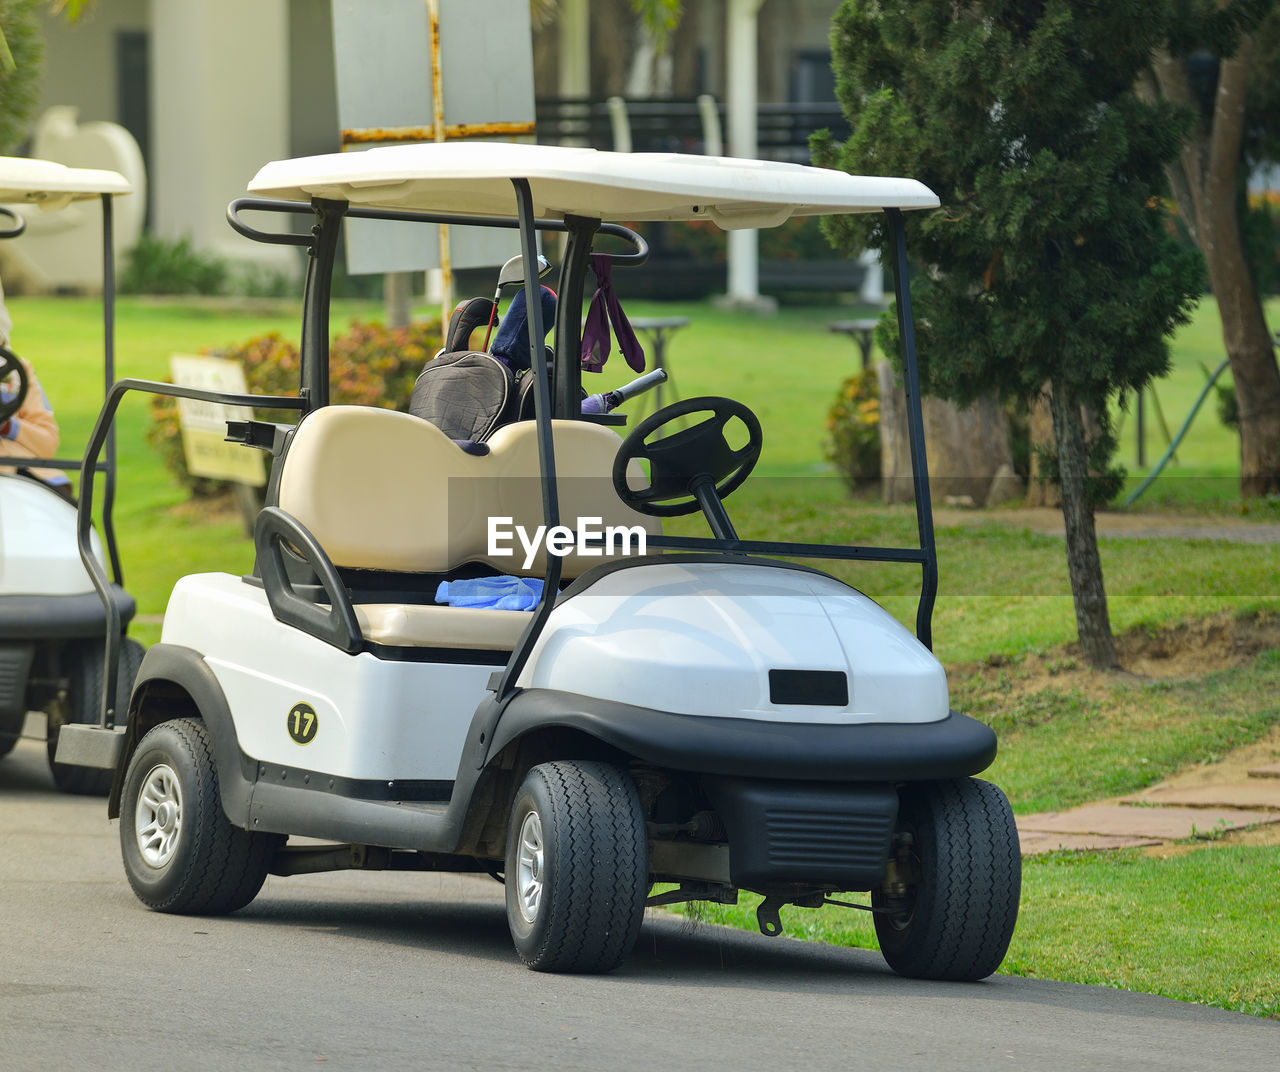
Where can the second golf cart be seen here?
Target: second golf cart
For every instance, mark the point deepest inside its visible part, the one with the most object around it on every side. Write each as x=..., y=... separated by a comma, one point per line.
x=52, y=623
x=674, y=718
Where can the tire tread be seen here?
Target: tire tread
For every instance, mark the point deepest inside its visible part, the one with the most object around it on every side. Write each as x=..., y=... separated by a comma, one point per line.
x=600, y=872
x=221, y=867
x=969, y=906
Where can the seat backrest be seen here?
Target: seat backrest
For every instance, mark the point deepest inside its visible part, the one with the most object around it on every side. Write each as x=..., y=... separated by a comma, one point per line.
x=386, y=490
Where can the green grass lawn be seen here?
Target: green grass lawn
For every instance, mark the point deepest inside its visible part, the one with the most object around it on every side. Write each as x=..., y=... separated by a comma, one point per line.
x=1189, y=926
x=1195, y=926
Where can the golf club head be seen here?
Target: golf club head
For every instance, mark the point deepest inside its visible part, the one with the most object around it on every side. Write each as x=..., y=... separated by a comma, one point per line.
x=513, y=270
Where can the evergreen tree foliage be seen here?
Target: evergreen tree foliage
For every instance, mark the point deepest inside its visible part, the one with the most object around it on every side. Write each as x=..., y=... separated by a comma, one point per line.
x=1052, y=255
x=19, y=82
x=1051, y=258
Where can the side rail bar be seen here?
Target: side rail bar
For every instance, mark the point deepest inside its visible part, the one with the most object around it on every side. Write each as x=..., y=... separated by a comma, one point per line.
x=19, y=223
x=262, y=204
x=84, y=521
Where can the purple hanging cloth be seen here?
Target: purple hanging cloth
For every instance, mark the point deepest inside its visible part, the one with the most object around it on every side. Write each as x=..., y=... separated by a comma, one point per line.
x=605, y=309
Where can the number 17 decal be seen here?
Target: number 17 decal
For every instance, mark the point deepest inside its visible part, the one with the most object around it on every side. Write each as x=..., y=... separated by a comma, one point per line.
x=302, y=723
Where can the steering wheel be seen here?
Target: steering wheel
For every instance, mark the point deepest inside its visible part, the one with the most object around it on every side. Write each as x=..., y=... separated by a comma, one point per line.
x=10, y=364
x=684, y=461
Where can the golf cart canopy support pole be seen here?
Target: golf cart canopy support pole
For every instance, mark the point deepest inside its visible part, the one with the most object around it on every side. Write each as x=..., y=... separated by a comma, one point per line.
x=314, y=349
x=915, y=427
x=546, y=441
x=109, y=377
x=573, y=273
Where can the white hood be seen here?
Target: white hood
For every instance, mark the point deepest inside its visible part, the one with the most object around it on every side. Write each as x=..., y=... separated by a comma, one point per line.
x=38, y=553
x=701, y=638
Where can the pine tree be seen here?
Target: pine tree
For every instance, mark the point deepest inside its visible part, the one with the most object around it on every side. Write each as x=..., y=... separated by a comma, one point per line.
x=1051, y=258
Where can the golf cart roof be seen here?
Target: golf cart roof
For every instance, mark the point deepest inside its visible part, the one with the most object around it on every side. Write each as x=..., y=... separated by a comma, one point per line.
x=475, y=178
x=44, y=182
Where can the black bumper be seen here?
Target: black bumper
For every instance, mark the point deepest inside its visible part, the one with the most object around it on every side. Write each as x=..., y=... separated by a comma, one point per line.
x=954, y=747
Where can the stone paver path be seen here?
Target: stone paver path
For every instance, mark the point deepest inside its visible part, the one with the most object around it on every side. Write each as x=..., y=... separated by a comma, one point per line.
x=1161, y=813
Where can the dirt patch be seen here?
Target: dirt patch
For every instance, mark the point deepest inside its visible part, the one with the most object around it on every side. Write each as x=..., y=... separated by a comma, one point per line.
x=1173, y=653
x=1198, y=647
x=214, y=509
x=205, y=509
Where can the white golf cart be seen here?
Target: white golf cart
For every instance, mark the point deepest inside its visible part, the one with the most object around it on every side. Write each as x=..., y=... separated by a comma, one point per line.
x=52, y=622
x=710, y=715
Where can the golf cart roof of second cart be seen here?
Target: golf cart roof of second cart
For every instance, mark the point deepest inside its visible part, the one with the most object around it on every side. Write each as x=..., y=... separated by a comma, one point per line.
x=52, y=185
x=475, y=178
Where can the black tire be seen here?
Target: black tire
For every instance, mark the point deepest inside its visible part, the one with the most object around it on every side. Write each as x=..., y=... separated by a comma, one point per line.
x=965, y=879
x=180, y=851
x=84, y=668
x=576, y=833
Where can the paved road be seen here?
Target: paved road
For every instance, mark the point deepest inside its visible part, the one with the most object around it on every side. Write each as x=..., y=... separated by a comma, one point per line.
x=387, y=972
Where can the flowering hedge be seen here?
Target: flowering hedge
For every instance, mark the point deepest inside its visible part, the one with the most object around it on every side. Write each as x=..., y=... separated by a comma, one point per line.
x=369, y=365
x=853, y=429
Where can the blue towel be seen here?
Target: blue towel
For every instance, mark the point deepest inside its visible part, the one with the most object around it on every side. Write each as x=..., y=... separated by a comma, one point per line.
x=493, y=593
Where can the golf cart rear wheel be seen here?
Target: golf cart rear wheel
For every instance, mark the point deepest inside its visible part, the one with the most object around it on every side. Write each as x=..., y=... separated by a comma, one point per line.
x=960, y=859
x=180, y=851
x=84, y=670
x=577, y=869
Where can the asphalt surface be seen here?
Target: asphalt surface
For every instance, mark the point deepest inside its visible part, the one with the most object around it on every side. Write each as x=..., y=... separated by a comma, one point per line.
x=390, y=971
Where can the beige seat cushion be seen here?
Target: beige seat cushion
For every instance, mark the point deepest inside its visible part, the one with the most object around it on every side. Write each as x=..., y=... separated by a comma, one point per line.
x=383, y=490
x=410, y=625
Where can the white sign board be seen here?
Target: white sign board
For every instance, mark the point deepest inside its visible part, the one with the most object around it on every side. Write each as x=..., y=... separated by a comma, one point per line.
x=204, y=424
x=382, y=57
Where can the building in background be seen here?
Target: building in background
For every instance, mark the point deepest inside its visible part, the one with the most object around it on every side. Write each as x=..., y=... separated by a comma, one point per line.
x=212, y=89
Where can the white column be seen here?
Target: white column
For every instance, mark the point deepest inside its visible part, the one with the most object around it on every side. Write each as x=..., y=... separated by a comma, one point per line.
x=574, y=24
x=220, y=110
x=741, y=106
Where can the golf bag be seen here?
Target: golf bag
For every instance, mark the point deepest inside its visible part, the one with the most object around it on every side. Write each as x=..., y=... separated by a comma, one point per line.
x=467, y=393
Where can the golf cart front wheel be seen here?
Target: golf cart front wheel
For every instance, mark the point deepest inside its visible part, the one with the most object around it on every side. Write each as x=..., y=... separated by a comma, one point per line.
x=181, y=853
x=957, y=878
x=577, y=869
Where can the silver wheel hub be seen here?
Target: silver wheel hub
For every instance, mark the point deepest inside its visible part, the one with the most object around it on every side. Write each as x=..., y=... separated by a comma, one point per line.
x=529, y=867
x=157, y=820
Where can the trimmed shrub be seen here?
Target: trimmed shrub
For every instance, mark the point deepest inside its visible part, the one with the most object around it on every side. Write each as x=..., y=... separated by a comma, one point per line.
x=853, y=430
x=162, y=266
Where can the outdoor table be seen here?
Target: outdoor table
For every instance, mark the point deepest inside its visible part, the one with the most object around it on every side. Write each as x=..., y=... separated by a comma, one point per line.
x=861, y=331
x=658, y=330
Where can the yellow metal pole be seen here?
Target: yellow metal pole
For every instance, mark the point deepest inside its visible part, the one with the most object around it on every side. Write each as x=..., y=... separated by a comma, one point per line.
x=437, y=106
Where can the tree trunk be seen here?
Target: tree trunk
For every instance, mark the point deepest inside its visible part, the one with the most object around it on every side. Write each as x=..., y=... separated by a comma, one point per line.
x=967, y=448
x=1204, y=184
x=1041, y=491
x=1084, y=567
